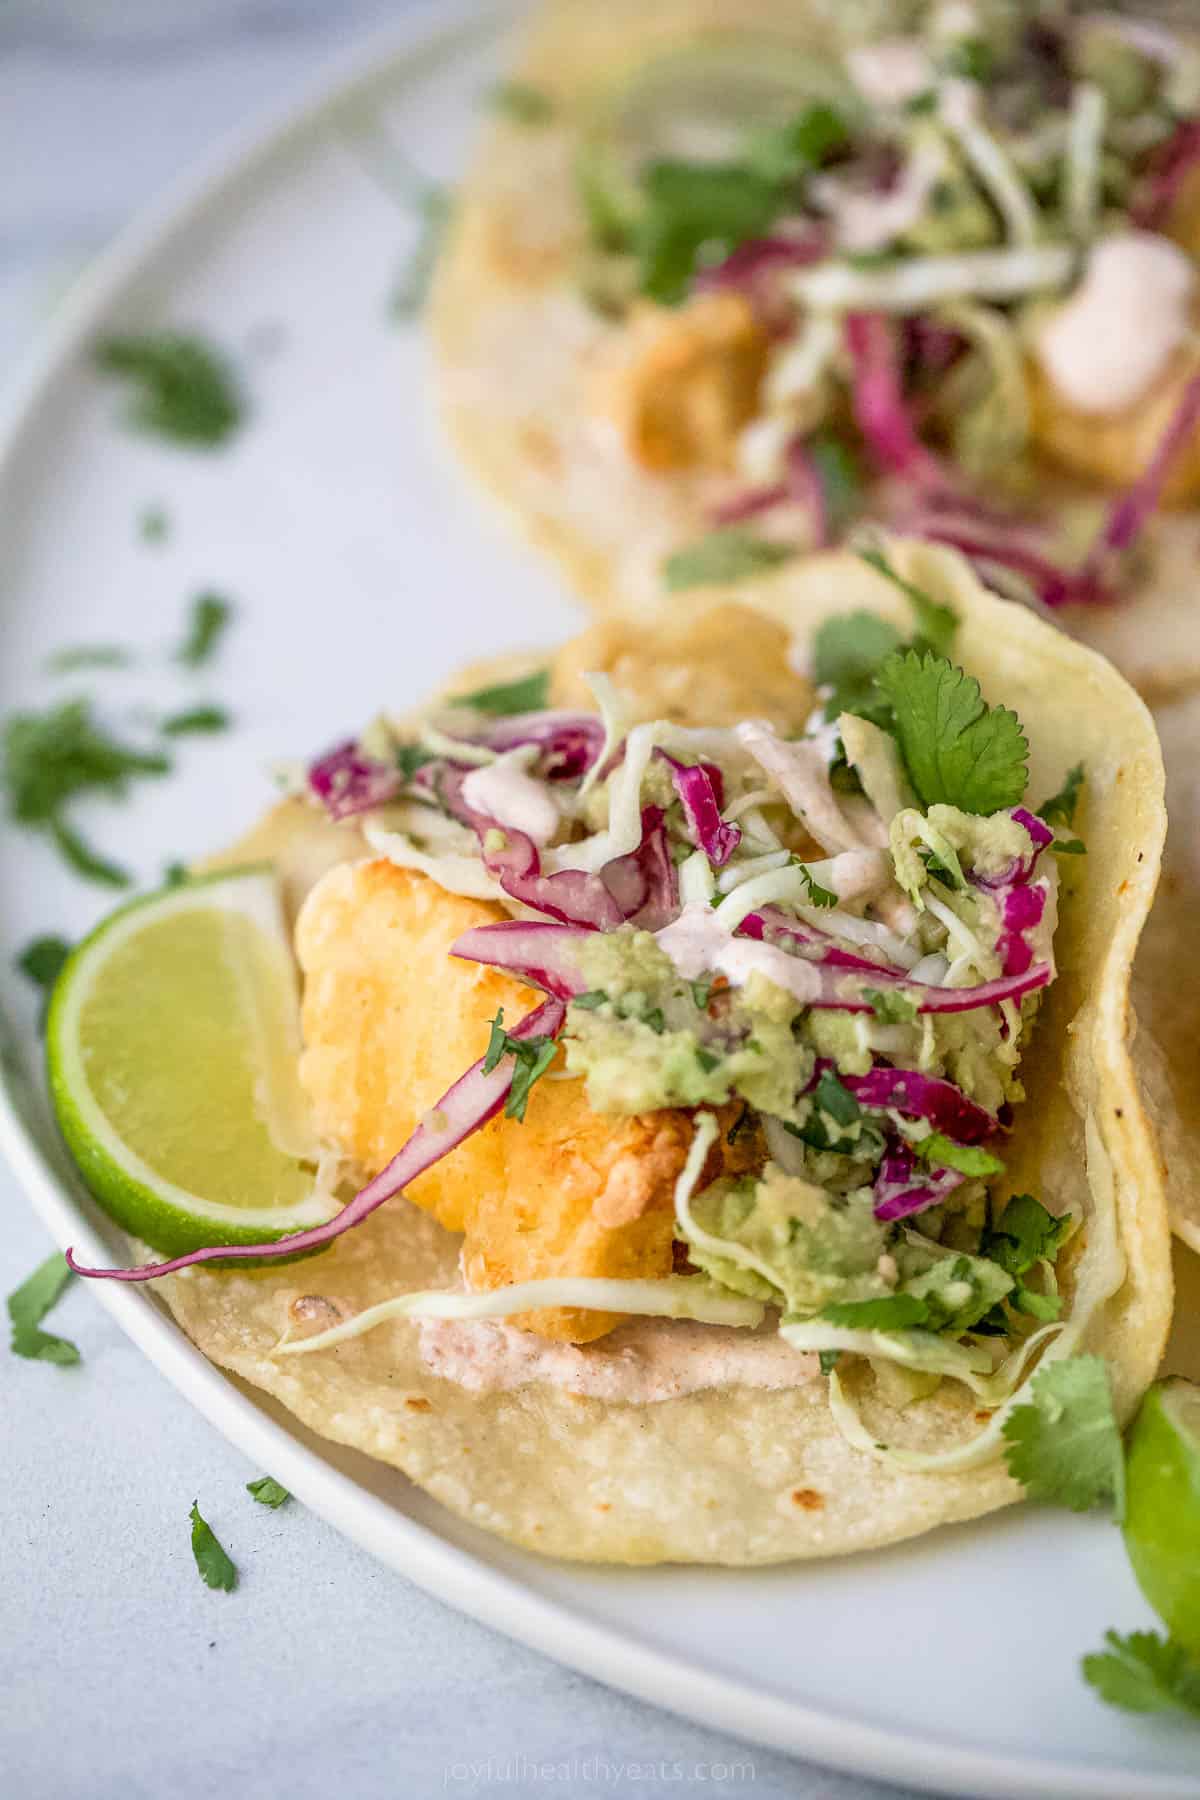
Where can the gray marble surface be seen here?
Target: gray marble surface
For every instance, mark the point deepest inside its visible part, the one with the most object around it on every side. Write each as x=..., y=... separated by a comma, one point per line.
x=120, y=1675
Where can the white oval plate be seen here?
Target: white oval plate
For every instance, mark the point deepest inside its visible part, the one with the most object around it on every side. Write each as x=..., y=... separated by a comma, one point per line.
x=363, y=569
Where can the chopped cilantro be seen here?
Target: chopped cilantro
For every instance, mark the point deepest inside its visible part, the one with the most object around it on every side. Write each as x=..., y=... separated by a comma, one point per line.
x=1145, y=1673
x=411, y=757
x=1069, y=847
x=28, y=1306
x=891, y=1312
x=50, y=758
x=175, y=874
x=836, y=1100
x=196, y=719
x=727, y=554
x=817, y=895
x=183, y=388
x=701, y=992
x=958, y=751
x=531, y=1058
x=153, y=525
x=41, y=961
x=971, y=57
x=828, y=1360
x=1063, y=1442
x=529, y=694
x=944, y=1153
x=936, y=624
x=216, y=1569
x=591, y=1000
x=1025, y=1234
x=88, y=656
x=521, y=102
x=891, y=1005
x=1059, y=809
x=433, y=204
x=694, y=212
x=784, y=153
x=267, y=1491
x=655, y=1020
x=208, y=622
x=707, y=1059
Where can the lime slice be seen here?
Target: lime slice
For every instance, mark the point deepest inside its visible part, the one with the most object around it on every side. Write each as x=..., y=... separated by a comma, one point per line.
x=172, y=1046
x=1162, y=1519
x=695, y=103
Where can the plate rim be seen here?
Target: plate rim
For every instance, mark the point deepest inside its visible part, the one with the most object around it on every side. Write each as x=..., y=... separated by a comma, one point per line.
x=460, y=1578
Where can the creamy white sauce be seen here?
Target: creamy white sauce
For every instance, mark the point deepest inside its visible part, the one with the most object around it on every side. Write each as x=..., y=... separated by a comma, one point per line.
x=1107, y=344
x=697, y=944
x=892, y=72
x=638, y=1364
x=504, y=792
x=803, y=775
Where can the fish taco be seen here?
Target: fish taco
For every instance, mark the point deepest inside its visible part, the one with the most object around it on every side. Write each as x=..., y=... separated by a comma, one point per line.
x=745, y=275
x=720, y=1042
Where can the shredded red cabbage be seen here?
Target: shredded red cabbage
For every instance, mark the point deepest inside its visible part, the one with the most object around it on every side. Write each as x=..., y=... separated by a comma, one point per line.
x=753, y=270
x=347, y=782
x=1169, y=167
x=1129, y=514
x=462, y=1110
x=879, y=404
x=700, y=796
x=900, y=1191
x=770, y=923
x=569, y=743
x=918, y=1096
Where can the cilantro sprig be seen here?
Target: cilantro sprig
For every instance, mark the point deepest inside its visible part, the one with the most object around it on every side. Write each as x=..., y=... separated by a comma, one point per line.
x=268, y=1492
x=209, y=618
x=528, y=694
x=183, y=388
x=1064, y=1443
x=28, y=1306
x=958, y=751
x=1145, y=1673
x=532, y=1056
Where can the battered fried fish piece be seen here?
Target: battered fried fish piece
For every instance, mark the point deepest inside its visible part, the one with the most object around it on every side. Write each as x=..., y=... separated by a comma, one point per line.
x=390, y=1021
x=1116, y=448
x=705, y=667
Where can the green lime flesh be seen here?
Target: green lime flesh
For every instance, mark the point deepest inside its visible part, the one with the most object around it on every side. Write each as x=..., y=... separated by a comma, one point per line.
x=1162, y=1520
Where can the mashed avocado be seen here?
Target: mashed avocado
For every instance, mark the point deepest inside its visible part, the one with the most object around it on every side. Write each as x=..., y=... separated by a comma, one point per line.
x=818, y=1249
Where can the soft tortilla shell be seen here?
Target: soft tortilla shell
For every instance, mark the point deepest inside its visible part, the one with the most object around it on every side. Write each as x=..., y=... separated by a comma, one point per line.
x=741, y=1477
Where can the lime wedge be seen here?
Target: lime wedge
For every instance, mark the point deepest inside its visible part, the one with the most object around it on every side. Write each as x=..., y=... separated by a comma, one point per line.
x=172, y=1046
x=1162, y=1520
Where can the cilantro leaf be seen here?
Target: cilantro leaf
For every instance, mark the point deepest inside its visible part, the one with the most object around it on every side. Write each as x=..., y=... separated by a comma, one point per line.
x=936, y=623
x=727, y=554
x=28, y=1306
x=521, y=102
x=175, y=874
x=529, y=694
x=267, y=1491
x=183, y=388
x=1069, y=847
x=836, y=1100
x=786, y=152
x=849, y=649
x=411, y=757
x=196, y=719
x=208, y=622
x=41, y=961
x=88, y=656
x=531, y=1058
x=817, y=895
x=891, y=1005
x=944, y=1153
x=957, y=750
x=591, y=1000
x=216, y=1569
x=840, y=475
x=49, y=758
x=1059, y=809
x=891, y=1312
x=1145, y=1673
x=1024, y=1234
x=828, y=1360
x=1063, y=1442
x=692, y=210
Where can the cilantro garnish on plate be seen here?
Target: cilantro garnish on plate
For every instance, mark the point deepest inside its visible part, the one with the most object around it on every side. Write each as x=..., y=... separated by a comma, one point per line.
x=267, y=1491
x=28, y=1306
x=210, y=617
x=213, y=1562
x=50, y=758
x=1064, y=1443
x=183, y=388
x=528, y=694
x=41, y=962
x=195, y=720
x=1146, y=1673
